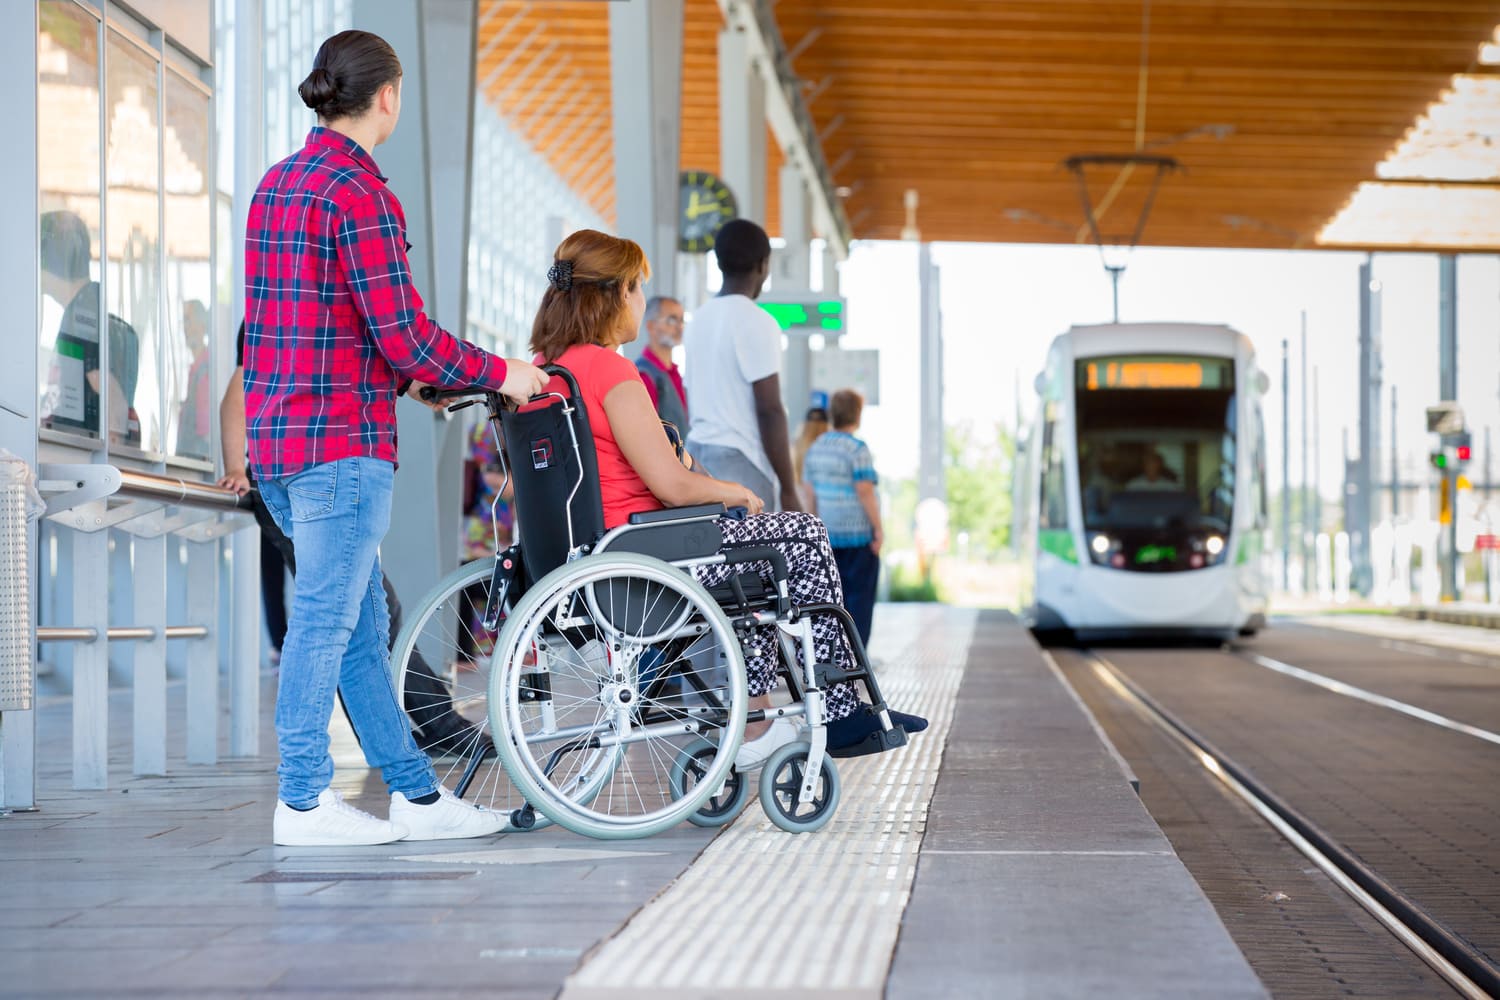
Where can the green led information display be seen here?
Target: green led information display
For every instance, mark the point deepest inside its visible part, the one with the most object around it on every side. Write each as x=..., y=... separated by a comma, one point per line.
x=827, y=314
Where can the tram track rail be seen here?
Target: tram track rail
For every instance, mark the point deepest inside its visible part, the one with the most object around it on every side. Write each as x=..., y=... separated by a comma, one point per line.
x=1466, y=969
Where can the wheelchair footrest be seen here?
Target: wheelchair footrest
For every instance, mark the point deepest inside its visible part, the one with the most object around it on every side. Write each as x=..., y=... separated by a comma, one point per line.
x=877, y=742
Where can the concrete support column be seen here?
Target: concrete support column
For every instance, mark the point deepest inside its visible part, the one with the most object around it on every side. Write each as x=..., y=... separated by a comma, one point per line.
x=203, y=654
x=90, y=662
x=792, y=272
x=645, y=48
x=430, y=165
x=148, y=682
x=792, y=265
x=930, y=480
x=742, y=124
x=244, y=670
x=19, y=279
x=249, y=138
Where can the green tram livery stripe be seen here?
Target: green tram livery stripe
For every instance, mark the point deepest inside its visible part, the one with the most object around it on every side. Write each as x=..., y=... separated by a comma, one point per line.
x=1059, y=542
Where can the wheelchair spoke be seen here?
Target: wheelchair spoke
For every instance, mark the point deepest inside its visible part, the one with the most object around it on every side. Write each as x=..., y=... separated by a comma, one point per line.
x=441, y=668
x=630, y=643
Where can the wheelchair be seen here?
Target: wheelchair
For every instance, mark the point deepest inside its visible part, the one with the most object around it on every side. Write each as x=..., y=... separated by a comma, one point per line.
x=601, y=686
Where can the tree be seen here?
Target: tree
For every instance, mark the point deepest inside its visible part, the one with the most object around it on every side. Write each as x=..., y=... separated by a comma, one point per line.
x=977, y=465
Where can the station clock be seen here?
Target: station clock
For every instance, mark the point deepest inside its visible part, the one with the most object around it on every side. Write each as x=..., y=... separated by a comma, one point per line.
x=706, y=204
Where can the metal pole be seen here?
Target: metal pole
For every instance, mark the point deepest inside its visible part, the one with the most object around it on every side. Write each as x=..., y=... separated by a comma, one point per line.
x=1286, y=468
x=1362, y=507
x=1317, y=469
x=1489, y=478
x=1395, y=462
x=1448, y=392
x=1308, y=531
x=930, y=478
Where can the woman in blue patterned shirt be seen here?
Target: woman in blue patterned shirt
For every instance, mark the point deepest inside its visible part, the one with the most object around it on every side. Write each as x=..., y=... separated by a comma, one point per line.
x=842, y=475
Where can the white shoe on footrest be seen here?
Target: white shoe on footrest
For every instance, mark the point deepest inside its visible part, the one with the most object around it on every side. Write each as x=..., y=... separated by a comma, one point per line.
x=753, y=753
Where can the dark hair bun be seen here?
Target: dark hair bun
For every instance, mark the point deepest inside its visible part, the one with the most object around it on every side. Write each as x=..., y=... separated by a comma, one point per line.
x=319, y=89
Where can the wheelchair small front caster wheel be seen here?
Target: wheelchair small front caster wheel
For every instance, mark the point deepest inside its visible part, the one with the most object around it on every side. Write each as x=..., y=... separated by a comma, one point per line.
x=524, y=818
x=692, y=763
x=781, y=790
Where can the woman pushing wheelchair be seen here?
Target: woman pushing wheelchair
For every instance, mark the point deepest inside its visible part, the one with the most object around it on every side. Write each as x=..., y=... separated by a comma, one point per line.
x=593, y=304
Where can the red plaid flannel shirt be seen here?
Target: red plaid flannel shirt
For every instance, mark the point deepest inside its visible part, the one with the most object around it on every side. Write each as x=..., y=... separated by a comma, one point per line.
x=333, y=327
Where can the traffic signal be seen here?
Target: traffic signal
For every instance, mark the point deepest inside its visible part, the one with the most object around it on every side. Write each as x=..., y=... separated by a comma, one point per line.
x=1463, y=452
x=1439, y=460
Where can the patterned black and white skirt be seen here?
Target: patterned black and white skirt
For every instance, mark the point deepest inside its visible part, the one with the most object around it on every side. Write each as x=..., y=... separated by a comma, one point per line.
x=814, y=579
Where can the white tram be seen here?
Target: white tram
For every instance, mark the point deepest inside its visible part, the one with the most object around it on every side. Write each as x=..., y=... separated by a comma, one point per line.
x=1141, y=491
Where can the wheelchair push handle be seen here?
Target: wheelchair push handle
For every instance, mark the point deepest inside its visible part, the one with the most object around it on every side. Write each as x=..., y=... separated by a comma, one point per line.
x=567, y=376
x=471, y=394
x=464, y=398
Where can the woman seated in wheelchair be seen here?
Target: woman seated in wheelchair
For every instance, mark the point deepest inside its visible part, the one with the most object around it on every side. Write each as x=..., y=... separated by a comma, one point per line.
x=594, y=304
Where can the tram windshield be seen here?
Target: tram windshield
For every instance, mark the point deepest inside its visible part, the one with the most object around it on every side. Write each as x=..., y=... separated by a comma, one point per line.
x=1156, y=445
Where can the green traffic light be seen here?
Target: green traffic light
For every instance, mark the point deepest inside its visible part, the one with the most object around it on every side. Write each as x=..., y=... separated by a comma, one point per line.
x=1439, y=460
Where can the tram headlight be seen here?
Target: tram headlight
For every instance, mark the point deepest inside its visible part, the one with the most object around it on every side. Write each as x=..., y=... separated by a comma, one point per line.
x=1215, y=545
x=1105, y=550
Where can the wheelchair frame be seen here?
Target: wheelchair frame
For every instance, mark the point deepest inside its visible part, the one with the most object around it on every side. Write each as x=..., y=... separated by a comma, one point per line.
x=798, y=784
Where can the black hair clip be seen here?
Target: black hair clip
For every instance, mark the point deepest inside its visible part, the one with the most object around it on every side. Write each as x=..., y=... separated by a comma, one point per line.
x=560, y=275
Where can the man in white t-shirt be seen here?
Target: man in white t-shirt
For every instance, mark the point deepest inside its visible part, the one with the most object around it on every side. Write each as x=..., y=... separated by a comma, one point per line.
x=733, y=349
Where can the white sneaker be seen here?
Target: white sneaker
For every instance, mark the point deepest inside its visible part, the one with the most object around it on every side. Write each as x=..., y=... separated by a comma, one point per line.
x=331, y=823
x=449, y=818
x=753, y=753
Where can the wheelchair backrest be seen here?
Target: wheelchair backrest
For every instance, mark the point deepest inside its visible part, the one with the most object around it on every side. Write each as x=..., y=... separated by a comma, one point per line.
x=554, y=472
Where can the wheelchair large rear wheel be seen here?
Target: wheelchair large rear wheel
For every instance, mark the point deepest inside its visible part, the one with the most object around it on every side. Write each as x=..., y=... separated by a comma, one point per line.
x=605, y=671
x=441, y=665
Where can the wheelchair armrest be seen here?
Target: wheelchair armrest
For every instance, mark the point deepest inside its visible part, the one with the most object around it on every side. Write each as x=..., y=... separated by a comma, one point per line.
x=678, y=513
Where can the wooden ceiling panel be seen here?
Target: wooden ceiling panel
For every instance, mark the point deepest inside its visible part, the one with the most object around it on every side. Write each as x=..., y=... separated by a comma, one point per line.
x=977, y=104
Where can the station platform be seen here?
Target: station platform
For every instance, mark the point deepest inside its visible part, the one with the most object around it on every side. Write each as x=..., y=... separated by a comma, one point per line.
x=1458, y=613
x=1002, y=853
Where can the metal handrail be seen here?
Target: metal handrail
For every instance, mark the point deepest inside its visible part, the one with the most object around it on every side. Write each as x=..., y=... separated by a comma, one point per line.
x=69, y=633
x=184, y=492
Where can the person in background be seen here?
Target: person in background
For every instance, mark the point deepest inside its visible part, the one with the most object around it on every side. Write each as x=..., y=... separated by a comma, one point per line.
x=734, y=379
x=275, y=548
x=194, y=418
x=489, y=526
x=71, y=401
x=428, y=700
x=814, y=426
x=1154, y=474
x=843, y=479
x=334, y=332
x=663, y=328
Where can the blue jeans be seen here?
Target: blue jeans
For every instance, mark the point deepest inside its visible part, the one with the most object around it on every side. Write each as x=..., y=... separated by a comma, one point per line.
x=859, y=570
x=339, y=634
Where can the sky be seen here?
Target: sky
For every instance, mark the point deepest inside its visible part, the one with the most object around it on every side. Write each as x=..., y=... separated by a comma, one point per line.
x=1003, y=304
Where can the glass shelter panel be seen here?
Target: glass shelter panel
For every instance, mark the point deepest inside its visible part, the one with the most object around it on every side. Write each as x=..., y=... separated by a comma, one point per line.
x=133, y=232
x=1156, y=459
x=67, y=152
x=189, y=277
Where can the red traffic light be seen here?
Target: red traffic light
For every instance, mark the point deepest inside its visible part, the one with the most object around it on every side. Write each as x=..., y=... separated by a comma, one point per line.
x=1463, y=452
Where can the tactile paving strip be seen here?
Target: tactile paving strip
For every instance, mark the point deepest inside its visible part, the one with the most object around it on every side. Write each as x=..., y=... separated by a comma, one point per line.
x=766, y=912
